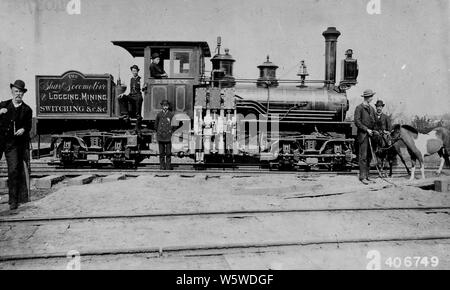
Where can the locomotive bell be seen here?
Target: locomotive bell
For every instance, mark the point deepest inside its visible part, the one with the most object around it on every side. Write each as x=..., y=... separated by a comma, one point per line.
x=267, y=74
x=303, y=73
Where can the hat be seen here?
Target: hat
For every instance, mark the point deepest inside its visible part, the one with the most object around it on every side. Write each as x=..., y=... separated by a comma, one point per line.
x=20, y=85
x=165, y=102
x=368, y=93
x=379, y=103
x=134, y=66
x=155, y=55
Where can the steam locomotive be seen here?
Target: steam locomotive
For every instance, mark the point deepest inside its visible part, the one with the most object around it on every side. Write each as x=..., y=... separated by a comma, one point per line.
x=297, y=123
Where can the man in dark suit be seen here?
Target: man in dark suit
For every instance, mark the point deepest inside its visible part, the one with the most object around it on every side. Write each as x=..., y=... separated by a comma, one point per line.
x=365, y=122
x=164, y=130
x=15, y=127
x=382, y=121
x=156, y=71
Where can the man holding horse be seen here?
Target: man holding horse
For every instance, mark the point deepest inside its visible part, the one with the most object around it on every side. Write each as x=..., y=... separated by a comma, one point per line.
x=365, y=122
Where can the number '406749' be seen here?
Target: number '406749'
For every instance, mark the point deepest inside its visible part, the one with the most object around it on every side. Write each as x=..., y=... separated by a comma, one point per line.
x=412, y=262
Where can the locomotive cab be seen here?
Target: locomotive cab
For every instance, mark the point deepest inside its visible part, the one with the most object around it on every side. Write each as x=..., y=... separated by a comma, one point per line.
x=184, y=63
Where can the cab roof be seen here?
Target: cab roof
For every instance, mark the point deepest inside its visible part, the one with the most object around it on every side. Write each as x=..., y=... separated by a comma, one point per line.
x=136, y=48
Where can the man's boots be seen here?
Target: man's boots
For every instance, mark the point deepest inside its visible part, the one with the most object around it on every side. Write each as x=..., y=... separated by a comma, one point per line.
x=162, y=162
x=168, y=163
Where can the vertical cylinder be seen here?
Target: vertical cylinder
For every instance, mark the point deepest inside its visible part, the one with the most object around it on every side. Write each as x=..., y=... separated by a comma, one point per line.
x=331, y=35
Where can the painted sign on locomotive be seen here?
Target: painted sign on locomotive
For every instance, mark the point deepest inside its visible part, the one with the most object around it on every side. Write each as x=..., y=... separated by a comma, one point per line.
x=74, y=94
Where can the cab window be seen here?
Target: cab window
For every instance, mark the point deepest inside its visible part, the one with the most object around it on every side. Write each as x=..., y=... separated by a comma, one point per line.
x=181, y=63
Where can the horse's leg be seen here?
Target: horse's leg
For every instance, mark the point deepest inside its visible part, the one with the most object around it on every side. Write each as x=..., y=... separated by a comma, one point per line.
x=416, y=155
x=398, y=152
x=441, y=165
x=404, y=163
x=413, y=163
x=413, y=170
x=422, y=167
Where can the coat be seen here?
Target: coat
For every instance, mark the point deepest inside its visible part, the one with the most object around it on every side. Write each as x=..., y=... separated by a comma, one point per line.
x=382, y=122
x=364, y=119
x=8, y=124
x=156, y=71
x=163, y=125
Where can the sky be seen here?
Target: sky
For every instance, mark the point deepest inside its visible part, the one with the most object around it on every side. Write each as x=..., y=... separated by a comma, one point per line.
x=403, y=52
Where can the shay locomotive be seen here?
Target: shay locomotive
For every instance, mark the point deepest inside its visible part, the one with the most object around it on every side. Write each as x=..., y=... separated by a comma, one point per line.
x=282, y=123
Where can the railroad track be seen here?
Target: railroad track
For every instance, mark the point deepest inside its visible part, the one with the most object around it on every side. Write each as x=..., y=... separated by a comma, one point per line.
x=43, y=169
x=89, y=224
x=49, y=219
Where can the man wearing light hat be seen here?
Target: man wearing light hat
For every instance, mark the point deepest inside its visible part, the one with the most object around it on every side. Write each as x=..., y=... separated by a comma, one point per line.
x=365, y=122
x=15, y=127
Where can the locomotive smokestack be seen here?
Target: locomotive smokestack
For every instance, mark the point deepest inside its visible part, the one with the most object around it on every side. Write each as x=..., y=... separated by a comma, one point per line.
x=331, y=35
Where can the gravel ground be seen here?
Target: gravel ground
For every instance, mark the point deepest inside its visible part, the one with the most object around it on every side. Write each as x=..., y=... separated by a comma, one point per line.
x=180, y=194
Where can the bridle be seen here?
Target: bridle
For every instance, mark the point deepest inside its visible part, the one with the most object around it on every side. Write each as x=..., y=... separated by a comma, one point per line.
x=393, y=141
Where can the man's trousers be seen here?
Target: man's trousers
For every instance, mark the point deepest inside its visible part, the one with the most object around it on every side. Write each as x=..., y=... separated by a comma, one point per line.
x=165, y=154
x=18, y=160
x=131, y=105
x=365, y=157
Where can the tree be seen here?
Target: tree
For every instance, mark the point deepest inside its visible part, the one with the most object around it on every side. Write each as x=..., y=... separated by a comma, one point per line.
x=424, y=124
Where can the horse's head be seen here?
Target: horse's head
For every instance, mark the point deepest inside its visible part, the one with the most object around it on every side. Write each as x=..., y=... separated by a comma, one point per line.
x=395, y=132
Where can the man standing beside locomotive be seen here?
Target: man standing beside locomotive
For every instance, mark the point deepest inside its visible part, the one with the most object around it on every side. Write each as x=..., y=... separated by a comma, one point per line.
x=163, y=125
x=382, y=122
x=365, y=122
x=155, y=69
x=15, y=127
x=131, y=104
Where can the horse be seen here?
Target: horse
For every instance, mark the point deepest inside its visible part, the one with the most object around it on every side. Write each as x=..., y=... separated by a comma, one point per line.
x=387, y=149
x=420, y=145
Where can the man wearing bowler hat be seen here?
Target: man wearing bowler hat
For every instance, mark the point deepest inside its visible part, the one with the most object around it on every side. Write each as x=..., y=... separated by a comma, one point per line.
x=156, y=71
x=164, y=130
x=382, y=122
x=131, y=104
x=365, y=122
x=15, y=127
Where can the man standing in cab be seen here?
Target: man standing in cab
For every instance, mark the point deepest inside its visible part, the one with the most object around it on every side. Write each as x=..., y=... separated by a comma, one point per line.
x=15, y=127
x=156, y=71
x=365, y=122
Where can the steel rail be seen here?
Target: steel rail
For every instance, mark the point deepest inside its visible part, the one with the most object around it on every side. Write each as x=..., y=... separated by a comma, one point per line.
x=231, y=213
x=201, y=249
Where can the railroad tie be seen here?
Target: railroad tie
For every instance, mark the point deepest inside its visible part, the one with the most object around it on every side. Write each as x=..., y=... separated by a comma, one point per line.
x=114, y=177
x=48, y=181
x=82, y=179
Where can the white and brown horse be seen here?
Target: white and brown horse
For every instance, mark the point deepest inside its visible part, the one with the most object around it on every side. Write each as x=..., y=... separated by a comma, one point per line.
x=421, y=145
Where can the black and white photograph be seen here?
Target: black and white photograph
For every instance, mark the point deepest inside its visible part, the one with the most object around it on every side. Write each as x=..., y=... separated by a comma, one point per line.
x=252, y=135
